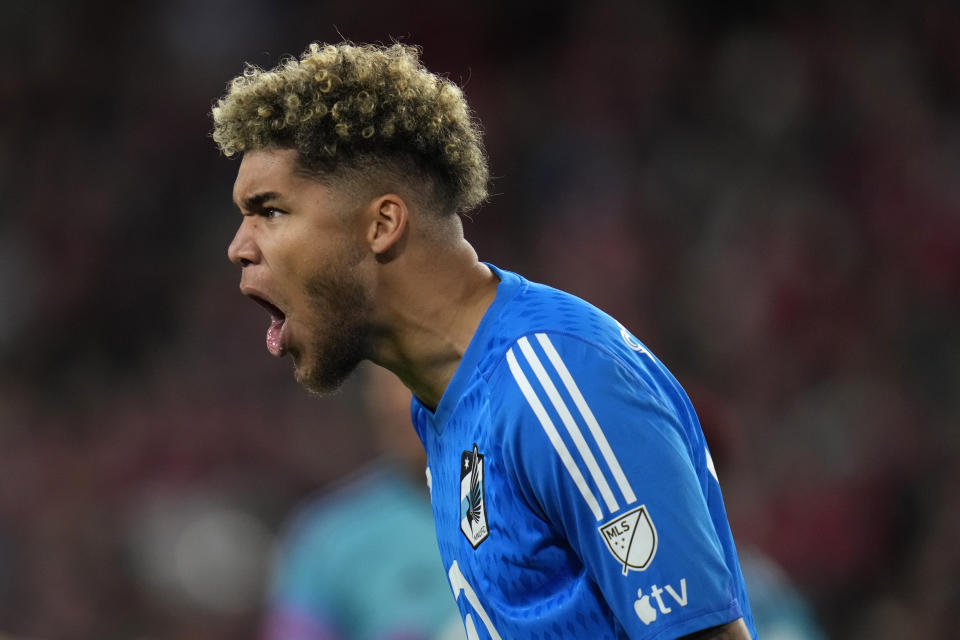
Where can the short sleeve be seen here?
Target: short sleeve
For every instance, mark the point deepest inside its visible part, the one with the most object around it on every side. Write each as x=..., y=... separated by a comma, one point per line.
x=610, y=464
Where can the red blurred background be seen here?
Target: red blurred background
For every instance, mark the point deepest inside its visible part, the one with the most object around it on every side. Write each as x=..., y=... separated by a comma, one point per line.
x=769, y=197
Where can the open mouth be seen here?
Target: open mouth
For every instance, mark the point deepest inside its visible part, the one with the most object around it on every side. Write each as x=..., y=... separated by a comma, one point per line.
x=275, y=332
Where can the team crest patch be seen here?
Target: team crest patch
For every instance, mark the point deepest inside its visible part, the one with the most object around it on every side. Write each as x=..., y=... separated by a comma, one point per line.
x=631, y=538
x=473, y=508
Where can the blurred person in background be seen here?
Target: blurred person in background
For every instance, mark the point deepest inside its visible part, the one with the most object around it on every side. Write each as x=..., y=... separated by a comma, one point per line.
x=375, y=522
x=356, y=163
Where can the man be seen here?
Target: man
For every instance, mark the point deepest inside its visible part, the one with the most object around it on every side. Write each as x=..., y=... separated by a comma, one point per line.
x=573, y=493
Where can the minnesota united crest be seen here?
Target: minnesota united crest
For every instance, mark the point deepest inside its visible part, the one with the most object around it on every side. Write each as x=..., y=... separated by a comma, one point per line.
x=473, y=508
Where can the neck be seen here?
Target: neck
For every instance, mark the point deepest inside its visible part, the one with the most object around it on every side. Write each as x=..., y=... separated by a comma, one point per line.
x=430, y=310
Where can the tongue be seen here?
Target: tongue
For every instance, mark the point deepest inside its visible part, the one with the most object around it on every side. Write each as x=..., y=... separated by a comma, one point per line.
x=274, y=345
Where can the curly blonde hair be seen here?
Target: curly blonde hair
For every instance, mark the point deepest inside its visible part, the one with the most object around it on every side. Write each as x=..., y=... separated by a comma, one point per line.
x=354, y=107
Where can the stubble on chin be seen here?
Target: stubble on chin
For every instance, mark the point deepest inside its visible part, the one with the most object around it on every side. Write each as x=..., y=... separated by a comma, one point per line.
x=340, y=339
x=322, y=379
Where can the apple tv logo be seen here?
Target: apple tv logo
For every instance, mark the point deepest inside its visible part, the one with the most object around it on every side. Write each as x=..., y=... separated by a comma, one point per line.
x=645, y=610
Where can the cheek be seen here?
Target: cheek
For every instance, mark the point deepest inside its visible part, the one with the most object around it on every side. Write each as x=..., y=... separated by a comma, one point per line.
x=301, y=259
x=330, y=259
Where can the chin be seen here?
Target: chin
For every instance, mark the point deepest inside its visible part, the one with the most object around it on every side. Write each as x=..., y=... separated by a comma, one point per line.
x=324, y=380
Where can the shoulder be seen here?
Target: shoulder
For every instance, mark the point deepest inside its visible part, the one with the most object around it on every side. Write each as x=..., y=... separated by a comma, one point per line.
x=596, y=395
x=551, y=352
x=577, y=393
x=557, y=365
x=536, y=309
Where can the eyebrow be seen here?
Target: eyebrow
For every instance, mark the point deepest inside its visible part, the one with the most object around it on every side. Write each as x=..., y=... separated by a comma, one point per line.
x=257, y=200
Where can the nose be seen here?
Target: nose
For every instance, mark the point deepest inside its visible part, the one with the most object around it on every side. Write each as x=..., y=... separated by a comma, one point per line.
x=243, y=249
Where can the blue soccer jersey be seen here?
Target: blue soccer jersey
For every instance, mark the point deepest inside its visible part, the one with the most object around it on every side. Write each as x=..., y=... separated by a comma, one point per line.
x=573, y=491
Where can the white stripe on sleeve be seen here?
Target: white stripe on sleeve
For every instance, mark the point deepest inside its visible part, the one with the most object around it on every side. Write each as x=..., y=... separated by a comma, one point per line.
x=589, y=418
x=572, y=428
x=553, y=436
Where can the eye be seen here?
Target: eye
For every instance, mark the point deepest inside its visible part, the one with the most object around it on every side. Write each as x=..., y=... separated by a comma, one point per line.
x=272, y=212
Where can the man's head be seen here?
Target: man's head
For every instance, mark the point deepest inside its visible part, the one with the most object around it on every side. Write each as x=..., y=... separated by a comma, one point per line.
x=355, y=113
x=339, y=148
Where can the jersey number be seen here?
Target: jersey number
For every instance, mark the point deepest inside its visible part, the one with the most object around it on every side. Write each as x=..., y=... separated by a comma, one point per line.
x=459, y=583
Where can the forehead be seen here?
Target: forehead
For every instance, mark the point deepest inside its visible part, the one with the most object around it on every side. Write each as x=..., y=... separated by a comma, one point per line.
x=267, y=170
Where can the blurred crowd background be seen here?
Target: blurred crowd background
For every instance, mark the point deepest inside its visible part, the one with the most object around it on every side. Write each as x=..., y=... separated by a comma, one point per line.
x=768, y=196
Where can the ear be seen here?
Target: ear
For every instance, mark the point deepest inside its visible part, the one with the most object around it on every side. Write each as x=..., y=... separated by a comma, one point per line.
x=388, y=225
